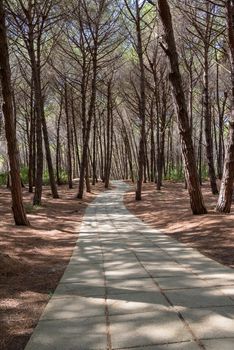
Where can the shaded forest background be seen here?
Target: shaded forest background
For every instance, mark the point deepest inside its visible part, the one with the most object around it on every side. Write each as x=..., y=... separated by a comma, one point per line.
x=106, y=90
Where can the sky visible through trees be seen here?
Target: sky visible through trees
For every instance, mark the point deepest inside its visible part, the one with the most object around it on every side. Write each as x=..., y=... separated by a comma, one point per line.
x=126, y=89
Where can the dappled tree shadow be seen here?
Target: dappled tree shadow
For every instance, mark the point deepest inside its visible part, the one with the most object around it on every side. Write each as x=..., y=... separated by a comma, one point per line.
x=42, y=252
x=169, y=211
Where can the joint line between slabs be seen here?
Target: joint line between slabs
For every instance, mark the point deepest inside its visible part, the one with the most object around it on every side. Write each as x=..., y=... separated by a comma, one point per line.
x=107, y=316
x=173, y=307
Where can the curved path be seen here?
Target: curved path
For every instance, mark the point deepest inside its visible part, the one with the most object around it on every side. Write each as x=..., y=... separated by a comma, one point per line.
x=128, y=286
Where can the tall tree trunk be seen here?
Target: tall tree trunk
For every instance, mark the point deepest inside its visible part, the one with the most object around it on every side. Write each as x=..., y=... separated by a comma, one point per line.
x=69, y=159
x=58, y=146
x=94, y=150
x=17, y=200
x=48, y=156
x=226, y=190
x=35, y=65
x=208, y=126
x=91, y=111
x=75, y=138
x=108, y=135
x=196, y=199
x=142, y=105
x=152, y=147
x=31, y=142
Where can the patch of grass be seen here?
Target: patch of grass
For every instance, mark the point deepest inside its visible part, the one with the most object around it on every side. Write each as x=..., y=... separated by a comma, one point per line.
x=3, y=179
x=24, y=174
x=30, y=208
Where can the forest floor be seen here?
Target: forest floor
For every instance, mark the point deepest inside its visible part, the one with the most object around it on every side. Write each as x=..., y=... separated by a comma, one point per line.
x=33, y=259
x=169, y=210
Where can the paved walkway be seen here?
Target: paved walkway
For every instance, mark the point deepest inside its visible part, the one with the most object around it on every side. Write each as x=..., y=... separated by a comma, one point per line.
x=130, y=287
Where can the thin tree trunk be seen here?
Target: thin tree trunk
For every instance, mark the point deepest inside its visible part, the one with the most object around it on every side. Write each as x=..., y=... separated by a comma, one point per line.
x=226, y=190
x=94, y=150
x=69, y=161
x=142, y=105
x=31, y=142
x=196, y=199
x=91, y=111
x=208, y=127
x=16, y=193
x=58, y=146
x=48, y=156
x=35, y=65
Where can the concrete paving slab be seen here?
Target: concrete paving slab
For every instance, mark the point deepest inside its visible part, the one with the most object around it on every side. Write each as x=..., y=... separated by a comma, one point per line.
x=154, y=258
x=70, y=334
x=217, y=344
x=136, y=302
x=228, y=291
x=198, y=297
x=211, y=323
x=140, y=318
x=87, y=288
x=123, y=286
x=121, y=257
x=147, y=328
x=76, y=273
x=79, y=259
x=134, y=272
x=180, y=282
x=110, y=265
x=175, y=346
x=77, y=306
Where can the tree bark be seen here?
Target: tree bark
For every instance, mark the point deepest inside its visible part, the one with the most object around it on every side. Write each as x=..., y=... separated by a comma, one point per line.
x=208, y=126
x=91, y=111
x=31, y=143
x=196, y=199
x=142, y=105
x=226, y=190
x=16, y=193
x=69, y=160
x=48, y=156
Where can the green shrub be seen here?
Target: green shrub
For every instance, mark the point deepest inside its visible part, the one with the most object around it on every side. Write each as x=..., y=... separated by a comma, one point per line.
x=3, y=179
x=24, y=174
x=63, y=176
x=175, y=175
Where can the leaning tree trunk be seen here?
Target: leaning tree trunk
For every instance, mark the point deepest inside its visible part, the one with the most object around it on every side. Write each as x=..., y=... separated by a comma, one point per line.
x=142, y=107
x=17, y=201
x=208, y=126
x=31, y=142
x=58, y=146
x=48, y=156
x=226, y=190
x=35, y=65
x=87, y=130
x=94, y=151
x=196, y=199
x=108, y=135
x=69, y=156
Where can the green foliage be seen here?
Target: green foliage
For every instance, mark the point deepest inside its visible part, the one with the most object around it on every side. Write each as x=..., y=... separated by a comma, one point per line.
x=204, y=172
x=30, y=208
x=175, y=174
x=63, y=175
x=3, y=179
x=46, y=178
x=24, y=174
x=24, y=177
